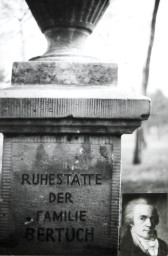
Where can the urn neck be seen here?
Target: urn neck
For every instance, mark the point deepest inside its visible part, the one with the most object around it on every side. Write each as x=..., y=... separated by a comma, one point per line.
x=65, y=43
x=64, y=40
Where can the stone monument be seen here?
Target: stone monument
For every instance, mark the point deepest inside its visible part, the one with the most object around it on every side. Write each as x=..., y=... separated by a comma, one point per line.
x=62, y=121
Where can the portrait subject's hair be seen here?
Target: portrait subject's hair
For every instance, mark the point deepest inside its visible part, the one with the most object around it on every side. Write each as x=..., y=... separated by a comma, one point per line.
x=129, y=209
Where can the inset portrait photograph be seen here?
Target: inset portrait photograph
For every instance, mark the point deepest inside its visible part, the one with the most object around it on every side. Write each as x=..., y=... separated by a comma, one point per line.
x=144, y=229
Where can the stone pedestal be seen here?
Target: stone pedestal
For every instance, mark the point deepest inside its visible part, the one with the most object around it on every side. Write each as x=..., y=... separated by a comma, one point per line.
x=60, y=190
x=62, y=121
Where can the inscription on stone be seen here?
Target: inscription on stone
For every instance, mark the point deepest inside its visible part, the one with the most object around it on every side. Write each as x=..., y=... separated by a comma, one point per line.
x=60, y=195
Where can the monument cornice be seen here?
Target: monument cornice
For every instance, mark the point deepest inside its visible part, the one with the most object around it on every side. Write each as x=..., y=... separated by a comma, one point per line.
x=68, y=126
x=89, y=110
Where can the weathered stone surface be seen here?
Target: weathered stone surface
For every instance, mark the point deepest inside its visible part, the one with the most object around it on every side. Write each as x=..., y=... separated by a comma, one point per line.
x=63, y=73
x=83, y=124
x=60, y=164
x=108, y=103
x=68, y=126
x=61, y=110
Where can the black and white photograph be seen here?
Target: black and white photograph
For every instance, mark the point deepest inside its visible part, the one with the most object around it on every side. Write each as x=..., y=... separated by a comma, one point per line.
x=83, y=127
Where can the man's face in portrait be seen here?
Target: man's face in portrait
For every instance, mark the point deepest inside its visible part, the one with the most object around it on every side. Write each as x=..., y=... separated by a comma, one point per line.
x=144, y=221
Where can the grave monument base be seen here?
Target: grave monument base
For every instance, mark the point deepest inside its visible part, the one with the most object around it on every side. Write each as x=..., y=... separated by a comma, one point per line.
x=61, y=159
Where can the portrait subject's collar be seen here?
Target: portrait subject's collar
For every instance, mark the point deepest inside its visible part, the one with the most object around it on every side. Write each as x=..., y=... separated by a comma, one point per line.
x=147, y=246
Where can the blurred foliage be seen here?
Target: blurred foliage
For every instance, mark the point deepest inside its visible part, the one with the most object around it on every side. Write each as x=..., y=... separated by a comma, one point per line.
x=159, y=110
x=2, y=76
x=12, y=14
x=11, y=8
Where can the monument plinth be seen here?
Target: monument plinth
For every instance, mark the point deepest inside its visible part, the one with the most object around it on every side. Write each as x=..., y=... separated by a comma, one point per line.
x=62, y=121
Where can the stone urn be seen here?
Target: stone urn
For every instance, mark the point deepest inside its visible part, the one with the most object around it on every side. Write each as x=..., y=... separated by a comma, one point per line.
x=66, y=24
